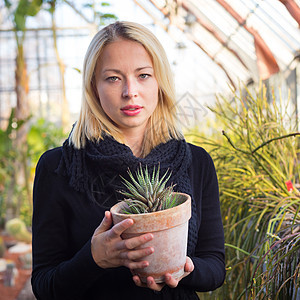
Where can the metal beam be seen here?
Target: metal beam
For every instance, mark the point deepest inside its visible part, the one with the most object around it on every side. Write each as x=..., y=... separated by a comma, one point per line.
x=212, y=31
x=166, y=13
x=293, y=9
x=266, y=62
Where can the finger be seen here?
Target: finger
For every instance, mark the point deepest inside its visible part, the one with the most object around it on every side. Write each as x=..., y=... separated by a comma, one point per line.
x=135, y=242
x=171, y=281
x=119, y=228
x=105, y=223
x=138, y=281
x=151, y=284
x=132, y=265
x=137, y=254
x=189, y=266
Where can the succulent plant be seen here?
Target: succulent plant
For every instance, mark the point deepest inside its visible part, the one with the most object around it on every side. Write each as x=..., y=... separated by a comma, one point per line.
x=148, y=193
x=17, y=229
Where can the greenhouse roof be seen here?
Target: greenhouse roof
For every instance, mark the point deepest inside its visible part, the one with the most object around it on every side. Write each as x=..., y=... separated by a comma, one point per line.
x=248, y=39
x=212, y=45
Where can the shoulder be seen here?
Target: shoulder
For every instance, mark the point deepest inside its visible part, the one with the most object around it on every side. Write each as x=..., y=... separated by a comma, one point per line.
x=202, y=169
x=199, y=155
x=202, y=164
x=50, y=159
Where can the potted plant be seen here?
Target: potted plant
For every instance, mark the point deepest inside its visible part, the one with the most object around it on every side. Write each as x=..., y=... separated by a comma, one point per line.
x=157, y=209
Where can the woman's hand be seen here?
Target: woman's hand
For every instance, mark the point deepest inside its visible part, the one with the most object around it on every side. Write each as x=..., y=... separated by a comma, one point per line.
x=109, y=250
x=169, y=280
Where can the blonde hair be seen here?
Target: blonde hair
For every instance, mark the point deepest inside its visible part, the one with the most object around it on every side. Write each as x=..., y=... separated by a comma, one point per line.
x=93, y=122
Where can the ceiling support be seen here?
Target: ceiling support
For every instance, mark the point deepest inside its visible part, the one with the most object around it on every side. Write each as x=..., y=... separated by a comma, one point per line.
x=293, y=9
x=212, y=31
x=266, y=62
x=167, y=14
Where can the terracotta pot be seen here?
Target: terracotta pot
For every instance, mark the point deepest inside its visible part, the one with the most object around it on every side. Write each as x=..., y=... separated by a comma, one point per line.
x=170, y=230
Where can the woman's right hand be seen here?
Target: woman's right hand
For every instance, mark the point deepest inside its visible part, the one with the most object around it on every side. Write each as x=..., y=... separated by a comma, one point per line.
x=109, y=250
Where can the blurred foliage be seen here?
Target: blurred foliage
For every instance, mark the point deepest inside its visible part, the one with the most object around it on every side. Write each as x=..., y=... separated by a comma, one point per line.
x=99, y=17
x=2, y=247
x=20, y=149
x=257, y=162
x=16, y=228
x=42, y=136
x=24, y=9
x=8, y=156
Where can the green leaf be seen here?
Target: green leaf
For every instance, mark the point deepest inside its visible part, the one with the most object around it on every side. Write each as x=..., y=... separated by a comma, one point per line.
x=24, y=9
x=34, y=7
x=109, y=16
x=135, y=207
x=20, y=20
x=89, y=5
x=77, y=69
x=7, y=4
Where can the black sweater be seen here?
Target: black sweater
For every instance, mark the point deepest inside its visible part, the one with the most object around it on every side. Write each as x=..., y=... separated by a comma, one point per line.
x=64, y=222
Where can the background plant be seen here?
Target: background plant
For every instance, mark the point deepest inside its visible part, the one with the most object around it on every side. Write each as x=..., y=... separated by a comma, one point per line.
x=257, y=163
x=15, y=200
x=9, y=191
x=42, y=136
x=16, y=169
x=21, y=142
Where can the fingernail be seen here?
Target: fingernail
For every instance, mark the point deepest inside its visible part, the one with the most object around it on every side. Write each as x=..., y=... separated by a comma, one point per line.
x=149, y=237
x=167, y=276
x=129, y=221
x=145, y=264
x=150, y=250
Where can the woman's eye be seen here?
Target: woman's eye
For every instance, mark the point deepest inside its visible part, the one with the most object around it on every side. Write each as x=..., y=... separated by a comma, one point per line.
x=112, y=78
x=144, y=76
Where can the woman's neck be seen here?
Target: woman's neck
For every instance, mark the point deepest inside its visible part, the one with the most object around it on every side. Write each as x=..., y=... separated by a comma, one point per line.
x=134, y=139
x=135, y=143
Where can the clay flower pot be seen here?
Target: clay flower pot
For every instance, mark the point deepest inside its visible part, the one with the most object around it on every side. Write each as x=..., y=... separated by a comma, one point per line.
x=170, y=230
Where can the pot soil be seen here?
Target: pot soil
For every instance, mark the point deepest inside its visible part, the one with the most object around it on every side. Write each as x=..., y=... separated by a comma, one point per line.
x=170, y=230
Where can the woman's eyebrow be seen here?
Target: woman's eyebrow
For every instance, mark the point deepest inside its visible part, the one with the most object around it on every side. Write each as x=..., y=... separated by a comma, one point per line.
x=111, y=70
x=119, y=72
x=146, y=67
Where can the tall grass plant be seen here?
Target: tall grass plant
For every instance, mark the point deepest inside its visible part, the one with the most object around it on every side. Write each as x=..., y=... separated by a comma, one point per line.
x=255, y=147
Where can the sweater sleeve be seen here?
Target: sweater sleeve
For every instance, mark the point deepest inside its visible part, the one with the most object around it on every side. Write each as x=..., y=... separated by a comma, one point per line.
x=209, y=257
x=56, y=274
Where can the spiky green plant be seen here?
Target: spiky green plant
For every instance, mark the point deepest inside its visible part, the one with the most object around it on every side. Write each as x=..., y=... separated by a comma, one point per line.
x=257, y=156
x=148, y=193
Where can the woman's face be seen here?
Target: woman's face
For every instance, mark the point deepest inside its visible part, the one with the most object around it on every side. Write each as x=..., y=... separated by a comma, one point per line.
x=126, y=85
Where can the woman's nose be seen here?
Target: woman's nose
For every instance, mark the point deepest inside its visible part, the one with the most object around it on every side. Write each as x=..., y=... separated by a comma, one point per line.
x=130, y=89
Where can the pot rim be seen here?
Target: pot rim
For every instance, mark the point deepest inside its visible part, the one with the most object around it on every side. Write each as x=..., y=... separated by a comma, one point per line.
x=162, y=219
x=114, y=209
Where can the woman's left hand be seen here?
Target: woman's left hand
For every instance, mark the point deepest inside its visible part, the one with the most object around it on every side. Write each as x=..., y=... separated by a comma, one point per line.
x=169, y=280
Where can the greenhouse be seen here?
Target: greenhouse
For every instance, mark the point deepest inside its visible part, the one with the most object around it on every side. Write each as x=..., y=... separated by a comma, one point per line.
x=236, y=71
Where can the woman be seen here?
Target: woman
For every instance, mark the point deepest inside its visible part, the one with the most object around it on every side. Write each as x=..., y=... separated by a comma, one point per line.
x=127, y=118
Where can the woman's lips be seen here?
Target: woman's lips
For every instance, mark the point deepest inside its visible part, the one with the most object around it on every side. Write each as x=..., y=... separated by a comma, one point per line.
x=131, y=110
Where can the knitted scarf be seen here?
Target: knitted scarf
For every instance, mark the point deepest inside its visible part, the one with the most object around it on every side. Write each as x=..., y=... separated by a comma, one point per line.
x=96, y=170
